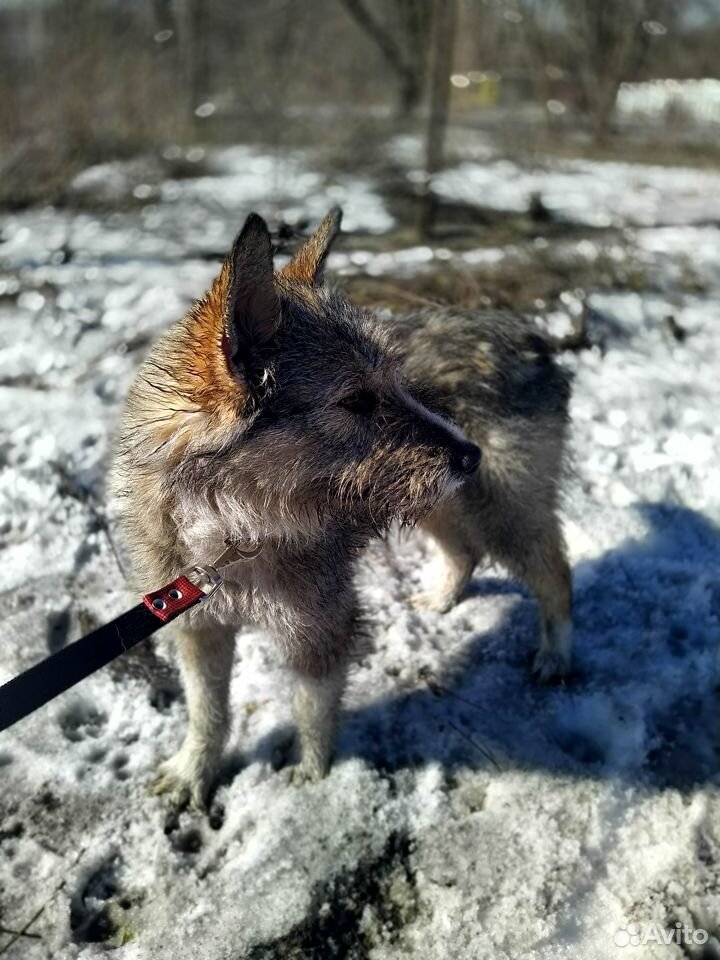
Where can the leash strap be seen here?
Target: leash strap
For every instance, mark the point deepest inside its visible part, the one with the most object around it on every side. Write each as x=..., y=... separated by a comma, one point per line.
x=52, y=676
x=35, y=687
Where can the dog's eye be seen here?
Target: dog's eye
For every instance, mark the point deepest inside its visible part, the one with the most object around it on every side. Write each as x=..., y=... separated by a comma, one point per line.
x=362, y=403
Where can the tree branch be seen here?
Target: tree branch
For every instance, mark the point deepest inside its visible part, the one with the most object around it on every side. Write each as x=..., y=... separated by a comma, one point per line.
x=382, y=39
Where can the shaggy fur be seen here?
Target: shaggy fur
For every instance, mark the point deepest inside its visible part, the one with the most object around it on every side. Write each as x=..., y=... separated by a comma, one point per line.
x=279, y=415
x=495, y=376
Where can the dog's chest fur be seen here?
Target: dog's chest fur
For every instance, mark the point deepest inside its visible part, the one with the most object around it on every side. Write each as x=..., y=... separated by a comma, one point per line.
x=282, y=581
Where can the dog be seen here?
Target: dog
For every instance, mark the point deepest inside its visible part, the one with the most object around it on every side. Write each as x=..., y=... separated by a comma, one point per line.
x=278, y=415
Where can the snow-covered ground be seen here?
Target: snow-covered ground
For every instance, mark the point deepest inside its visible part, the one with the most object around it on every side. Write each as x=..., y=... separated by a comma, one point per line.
x=469, y=813
x=698, y=100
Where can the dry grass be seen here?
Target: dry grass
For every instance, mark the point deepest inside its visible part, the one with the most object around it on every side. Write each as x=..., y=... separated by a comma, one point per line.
x=657, y=145
x=531, y=283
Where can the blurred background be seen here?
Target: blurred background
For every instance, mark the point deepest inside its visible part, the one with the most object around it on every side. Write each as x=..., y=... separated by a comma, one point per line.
x=88, y=81
x=198, y=110
x=560, y=158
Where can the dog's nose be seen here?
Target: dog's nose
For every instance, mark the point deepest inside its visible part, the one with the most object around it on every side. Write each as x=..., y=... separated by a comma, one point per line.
x=466, y=458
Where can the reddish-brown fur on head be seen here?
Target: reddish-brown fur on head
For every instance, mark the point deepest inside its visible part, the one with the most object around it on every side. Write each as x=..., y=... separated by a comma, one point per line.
x=278, y=403
x=201, y=357
x=278, y=413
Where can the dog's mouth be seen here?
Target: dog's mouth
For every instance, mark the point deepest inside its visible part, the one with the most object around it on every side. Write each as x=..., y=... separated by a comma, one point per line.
x=405, y=500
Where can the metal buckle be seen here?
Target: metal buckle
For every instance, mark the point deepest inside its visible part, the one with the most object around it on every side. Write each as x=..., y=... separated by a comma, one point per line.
x=246, y=553
x=210, y=579
x=234, y=553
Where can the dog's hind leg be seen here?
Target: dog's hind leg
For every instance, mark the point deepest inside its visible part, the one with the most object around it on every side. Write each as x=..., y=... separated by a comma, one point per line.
x=206, y=655
x=471, y=526
x=538, y=558
x=547, y=573
x=459, y=557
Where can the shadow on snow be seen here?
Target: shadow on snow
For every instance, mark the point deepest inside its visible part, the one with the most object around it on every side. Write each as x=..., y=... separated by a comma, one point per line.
x=640, y=704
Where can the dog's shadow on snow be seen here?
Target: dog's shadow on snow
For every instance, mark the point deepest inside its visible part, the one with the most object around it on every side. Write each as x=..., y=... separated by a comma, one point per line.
x=640, y=705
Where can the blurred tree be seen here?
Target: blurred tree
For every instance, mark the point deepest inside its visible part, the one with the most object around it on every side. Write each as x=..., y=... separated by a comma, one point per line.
x=86, y=81
x=195, y=34
x=597, y=43
x=444, y=22
x=407, y=57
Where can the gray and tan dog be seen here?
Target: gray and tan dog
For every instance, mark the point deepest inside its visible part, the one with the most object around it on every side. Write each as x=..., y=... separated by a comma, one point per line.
x=277, y=414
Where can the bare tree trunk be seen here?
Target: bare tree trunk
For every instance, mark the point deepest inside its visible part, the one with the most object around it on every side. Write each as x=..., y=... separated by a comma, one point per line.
x=603, y=108
x=441, y=61
x=36, y=31
x=194, y=45
x=409, y=79
x=173, y=69
x=602, y=40
x=536, y=43
x=610, y=33
x=414, y=18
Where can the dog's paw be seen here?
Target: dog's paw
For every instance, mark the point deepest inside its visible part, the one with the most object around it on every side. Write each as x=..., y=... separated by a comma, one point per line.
x=302, y=773
x=436, y=601
x=550, y=666
x=182, y=782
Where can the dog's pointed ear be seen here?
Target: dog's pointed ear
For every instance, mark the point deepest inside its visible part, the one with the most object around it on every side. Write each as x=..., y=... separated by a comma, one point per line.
x=252, y=310
x=308, y=264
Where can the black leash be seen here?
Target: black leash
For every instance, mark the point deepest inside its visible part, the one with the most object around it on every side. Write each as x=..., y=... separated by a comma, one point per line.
x=56, y=674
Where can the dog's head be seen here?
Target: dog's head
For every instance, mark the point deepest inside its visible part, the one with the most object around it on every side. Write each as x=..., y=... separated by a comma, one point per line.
x=285, y=398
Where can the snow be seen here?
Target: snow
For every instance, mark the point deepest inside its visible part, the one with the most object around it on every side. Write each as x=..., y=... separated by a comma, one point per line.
x=469, y=812
x=698, y=100
x=584, y=191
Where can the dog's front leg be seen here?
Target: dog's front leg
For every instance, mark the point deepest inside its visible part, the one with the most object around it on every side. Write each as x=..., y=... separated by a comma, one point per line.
x=317, y=639
x=315, y=706
x=206, y=655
